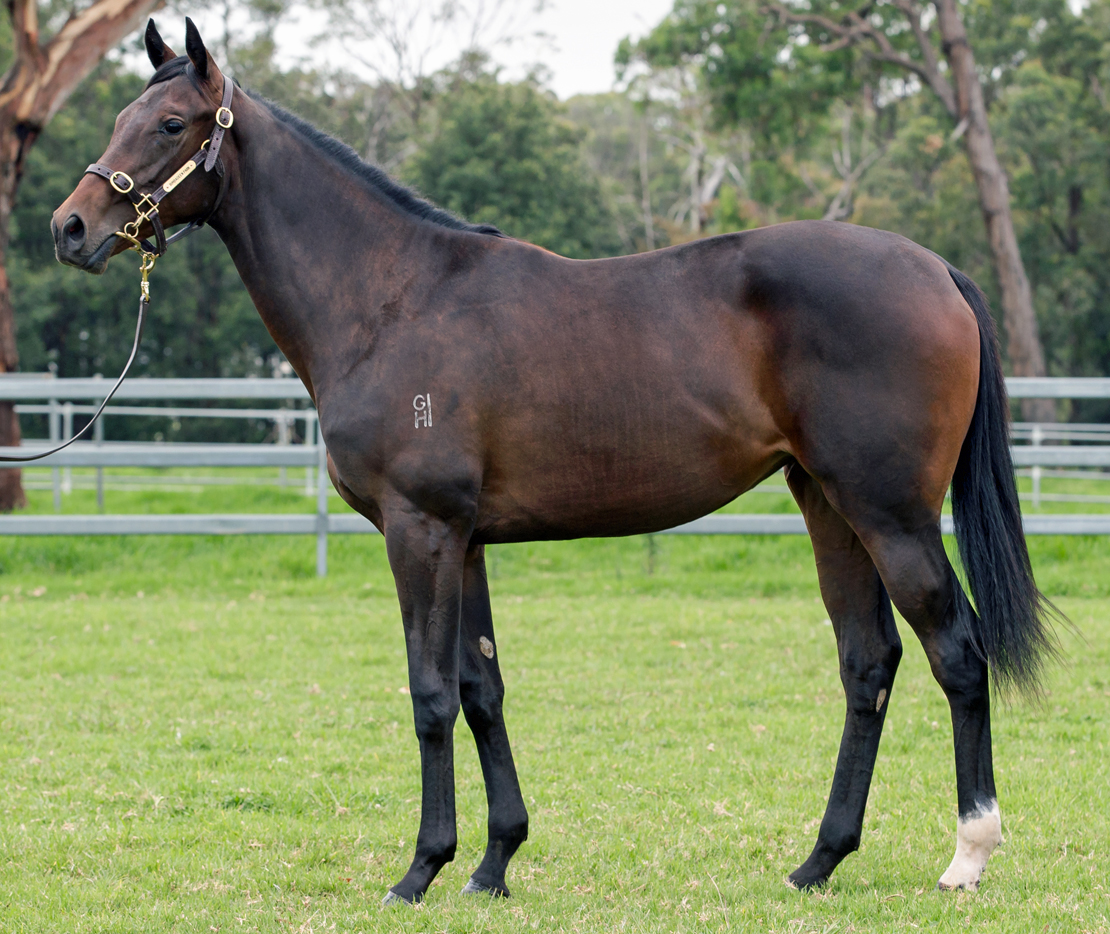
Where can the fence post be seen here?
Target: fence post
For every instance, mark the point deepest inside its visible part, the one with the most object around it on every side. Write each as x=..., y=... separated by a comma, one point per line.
x=67, y=433
x=309, y=433
x=282, y=440
x=98, y=437
x=321, y=505
x=1036, y=439
x=55, y=475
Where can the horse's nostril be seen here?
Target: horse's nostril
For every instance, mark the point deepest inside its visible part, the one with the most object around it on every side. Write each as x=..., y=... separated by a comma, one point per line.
x=74, y=230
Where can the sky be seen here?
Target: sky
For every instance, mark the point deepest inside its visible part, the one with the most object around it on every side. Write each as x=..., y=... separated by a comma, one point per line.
x=585, y=34
x=582, y=36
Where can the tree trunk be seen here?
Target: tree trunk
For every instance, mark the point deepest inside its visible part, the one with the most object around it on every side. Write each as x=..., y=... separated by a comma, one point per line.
x=14, y=142
x=1023, y=343
x=39, y=81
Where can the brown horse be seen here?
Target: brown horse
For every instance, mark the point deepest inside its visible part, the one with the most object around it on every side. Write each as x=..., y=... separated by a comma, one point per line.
x=475, y=389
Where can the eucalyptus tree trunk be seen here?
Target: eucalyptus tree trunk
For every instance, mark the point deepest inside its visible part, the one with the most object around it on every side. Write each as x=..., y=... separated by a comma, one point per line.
x=965, y=105
x=1023, y=342
x=11, y=160
x=39, y=81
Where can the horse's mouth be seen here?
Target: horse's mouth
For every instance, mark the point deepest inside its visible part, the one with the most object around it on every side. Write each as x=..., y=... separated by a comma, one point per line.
x=96, y=262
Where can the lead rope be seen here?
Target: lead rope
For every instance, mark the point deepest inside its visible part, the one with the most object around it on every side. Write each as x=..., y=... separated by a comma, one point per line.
x=146, y=207
x=148, y=261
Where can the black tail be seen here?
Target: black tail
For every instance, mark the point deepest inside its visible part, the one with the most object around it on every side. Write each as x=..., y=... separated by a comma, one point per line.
x=1013, y=631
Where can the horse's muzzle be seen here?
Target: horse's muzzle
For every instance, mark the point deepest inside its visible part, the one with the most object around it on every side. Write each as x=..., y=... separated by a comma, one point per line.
x=70, y=242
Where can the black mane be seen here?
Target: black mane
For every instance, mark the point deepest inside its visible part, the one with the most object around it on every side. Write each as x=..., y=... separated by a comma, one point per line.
x=405, y=199
x=401, y=196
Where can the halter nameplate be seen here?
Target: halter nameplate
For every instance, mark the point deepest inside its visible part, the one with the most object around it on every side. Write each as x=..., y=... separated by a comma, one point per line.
x=179, y=176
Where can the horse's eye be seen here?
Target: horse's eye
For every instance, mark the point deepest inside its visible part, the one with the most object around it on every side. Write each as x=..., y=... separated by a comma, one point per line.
x=173, y=127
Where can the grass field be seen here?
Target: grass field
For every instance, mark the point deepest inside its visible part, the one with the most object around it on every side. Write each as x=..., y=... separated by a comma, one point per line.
x=199, y=735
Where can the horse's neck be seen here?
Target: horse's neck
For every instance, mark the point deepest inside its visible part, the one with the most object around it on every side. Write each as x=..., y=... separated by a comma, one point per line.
x=316, y=248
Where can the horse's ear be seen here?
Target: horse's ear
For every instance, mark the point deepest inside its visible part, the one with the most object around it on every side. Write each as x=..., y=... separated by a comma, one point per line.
x=159, y=52
x=194, y=48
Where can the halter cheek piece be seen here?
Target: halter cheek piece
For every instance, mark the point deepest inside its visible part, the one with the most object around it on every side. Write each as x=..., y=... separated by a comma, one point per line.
x=146, y=206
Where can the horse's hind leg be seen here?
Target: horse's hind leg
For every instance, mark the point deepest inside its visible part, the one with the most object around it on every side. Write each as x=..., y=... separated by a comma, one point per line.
x=927, y=593
x=869, y=649
x=482, y=692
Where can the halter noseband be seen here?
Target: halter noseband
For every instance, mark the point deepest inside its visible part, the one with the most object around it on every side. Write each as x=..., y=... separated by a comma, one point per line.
x=146, y=206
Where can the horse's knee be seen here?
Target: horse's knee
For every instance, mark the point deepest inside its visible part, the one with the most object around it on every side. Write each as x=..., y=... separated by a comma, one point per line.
x=435, y=709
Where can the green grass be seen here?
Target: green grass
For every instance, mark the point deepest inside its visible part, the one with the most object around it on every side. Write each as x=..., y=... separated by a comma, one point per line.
x=197, y=735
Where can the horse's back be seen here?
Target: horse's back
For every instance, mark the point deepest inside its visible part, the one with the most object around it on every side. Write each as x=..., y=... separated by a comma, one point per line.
x=655, y=388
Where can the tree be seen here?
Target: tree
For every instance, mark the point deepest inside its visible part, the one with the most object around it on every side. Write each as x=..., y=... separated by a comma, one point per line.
x=505, y=154
x=774, y=64
x=881, y=34
x=777, y=140
x=41, y=76
x=397, y=43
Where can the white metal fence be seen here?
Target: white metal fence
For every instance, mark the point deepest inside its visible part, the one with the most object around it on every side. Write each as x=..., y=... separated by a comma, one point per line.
x=61, y=400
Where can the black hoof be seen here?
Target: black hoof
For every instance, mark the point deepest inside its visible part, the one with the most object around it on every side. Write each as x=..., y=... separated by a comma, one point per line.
x=479, y=888
x=394, y=898
x=805, y=882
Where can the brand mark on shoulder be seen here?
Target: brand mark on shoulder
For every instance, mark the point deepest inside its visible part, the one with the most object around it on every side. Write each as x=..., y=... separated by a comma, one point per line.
x=422, y=410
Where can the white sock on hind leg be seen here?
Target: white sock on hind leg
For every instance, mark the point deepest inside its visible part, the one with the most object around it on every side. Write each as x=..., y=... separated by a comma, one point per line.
x=976, y=837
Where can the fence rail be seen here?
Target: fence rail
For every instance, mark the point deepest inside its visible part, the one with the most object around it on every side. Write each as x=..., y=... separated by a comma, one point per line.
x=59, y=396
x=18, y=387
x=174, y=454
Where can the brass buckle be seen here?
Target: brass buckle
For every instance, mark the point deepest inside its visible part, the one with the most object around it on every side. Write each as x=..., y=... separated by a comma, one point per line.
x=112, y=181
x=225, y=114
x=131, y=230
x=151, y=208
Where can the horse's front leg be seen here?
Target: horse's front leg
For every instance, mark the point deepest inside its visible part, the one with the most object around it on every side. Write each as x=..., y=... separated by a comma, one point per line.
x=426, y=555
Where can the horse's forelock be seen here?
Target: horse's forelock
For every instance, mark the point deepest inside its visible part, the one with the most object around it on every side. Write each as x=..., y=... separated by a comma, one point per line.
x=174, y=68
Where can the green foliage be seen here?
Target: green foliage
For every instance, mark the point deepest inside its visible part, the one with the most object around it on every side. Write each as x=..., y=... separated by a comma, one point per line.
x=755, y=70
x=505, y=154
x=1044, y=65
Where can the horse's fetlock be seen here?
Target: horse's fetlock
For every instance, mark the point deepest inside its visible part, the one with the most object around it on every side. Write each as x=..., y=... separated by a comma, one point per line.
x=438, y=850
x=512, y=830
x=838, y=840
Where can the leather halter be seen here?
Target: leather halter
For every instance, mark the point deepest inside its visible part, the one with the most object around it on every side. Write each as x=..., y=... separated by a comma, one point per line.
x=146, y=206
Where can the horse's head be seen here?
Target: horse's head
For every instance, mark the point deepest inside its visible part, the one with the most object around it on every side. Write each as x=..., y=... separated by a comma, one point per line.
x=154, y=137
